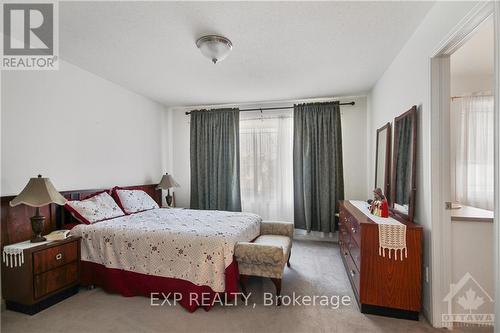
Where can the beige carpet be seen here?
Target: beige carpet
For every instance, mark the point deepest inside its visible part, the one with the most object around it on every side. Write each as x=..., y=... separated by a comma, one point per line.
x=316, y=270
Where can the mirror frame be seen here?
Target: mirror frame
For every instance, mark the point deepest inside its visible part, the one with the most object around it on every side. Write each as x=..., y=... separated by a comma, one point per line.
x=387, y=178
x=411, y=205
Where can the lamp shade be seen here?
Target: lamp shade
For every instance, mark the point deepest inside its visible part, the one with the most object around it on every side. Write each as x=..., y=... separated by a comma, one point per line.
x=37, y=193
x=166, y=182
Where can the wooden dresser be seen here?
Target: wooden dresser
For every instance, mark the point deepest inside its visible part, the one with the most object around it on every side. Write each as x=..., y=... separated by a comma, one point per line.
x=49, y=274
x=381, y=285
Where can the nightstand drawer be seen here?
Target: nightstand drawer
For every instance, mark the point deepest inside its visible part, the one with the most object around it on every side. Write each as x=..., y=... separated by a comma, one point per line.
x=56, y=279
x=53, y=257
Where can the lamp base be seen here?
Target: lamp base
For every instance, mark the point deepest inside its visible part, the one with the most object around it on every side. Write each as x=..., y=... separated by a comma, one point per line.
x=37, y=223
x=168, y=199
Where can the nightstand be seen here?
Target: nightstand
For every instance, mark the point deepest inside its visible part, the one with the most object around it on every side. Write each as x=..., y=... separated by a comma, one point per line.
x=49, y=273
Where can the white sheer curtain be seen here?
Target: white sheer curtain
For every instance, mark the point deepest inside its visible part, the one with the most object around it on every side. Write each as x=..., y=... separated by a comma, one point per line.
x=472, y=151
x=266, y=164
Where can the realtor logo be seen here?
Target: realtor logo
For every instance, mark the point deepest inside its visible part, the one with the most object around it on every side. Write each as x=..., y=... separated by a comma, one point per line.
x=29, y=36
x=468, y=304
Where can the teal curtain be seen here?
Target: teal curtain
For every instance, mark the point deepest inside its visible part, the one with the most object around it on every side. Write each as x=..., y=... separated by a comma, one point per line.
x=215, y=159
x=317, y=166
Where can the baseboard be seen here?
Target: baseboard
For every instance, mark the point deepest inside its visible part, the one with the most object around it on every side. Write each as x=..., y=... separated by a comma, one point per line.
x=300, y=234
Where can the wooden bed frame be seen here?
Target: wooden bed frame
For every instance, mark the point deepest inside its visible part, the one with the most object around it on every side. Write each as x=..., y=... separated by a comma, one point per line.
x=15, y=224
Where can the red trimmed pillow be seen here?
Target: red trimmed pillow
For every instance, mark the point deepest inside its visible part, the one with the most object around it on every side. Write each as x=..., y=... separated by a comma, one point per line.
x=95, y=208
x=133, y=201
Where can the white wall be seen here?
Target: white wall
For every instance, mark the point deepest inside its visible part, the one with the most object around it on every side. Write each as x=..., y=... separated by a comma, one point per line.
x=180, y=163
x=78, y=129
x=405, y=83
x=354, y=150
x=463, y=85
x=353, y=140
x=472, y=247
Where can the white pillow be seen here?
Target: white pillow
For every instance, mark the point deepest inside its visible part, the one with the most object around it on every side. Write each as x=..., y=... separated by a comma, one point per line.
x=96, y=208
x=134, y=201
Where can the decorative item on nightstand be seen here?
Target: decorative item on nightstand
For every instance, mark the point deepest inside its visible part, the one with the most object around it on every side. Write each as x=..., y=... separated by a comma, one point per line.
x=166, y=183
x=37, y=193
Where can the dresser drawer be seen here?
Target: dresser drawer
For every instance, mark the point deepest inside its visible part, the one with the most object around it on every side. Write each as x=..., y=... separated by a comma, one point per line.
x=355, y=254
x=343, y=232
x=353, y=273
x=56, y=279
x=352, y=221
x=50, y=258
x=354, y=229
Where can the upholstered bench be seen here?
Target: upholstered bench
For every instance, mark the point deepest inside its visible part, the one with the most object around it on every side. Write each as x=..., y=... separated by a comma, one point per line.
x=267, y=255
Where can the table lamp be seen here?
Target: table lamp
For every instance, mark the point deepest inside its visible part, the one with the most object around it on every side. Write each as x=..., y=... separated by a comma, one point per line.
x=37, y=193
x=166, y=183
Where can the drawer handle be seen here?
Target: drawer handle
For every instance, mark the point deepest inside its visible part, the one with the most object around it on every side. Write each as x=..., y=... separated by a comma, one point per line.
x=353, y=230
x=59, y=256
x=345, y=253
x=353, y=272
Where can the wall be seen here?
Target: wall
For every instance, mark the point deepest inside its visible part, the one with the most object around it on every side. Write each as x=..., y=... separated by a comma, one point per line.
x=78, y=129
x=472, y=241
x=464, y=85
x=353, y=139
x=354, y=150
x=406, y=82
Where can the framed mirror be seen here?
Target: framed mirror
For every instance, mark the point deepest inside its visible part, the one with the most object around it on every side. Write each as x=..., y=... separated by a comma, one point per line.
x=404, y=164
x=383, y=159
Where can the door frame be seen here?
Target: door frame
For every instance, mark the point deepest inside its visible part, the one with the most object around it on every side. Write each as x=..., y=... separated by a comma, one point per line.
x=497, y=163
x=441, y=242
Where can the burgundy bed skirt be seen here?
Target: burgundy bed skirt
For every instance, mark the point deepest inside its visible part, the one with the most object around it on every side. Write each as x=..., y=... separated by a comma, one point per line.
x=130, y=284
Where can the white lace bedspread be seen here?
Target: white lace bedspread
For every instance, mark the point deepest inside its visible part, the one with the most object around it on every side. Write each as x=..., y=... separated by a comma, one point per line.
x=193, y=245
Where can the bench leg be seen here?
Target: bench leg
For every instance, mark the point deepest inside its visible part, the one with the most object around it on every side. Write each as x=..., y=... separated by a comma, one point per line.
x=277, y=284
x=243, y=284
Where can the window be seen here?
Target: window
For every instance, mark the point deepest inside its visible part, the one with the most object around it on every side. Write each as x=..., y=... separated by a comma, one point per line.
x=472, y=155
x=266, y=164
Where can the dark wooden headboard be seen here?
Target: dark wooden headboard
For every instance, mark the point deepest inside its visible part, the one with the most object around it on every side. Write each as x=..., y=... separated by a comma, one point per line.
x=15, y=221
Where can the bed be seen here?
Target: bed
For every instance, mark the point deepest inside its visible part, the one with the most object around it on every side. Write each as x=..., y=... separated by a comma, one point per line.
x=189, y=252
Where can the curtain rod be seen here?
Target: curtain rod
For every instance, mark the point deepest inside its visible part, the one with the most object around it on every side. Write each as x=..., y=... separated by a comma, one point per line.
x=278, y=108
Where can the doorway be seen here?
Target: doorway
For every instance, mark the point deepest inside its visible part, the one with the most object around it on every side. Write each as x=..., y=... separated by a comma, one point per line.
x=464, y=163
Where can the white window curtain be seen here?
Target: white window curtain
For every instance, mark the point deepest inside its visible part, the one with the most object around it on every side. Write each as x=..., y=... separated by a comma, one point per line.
x=472, y=151
x=266, y=164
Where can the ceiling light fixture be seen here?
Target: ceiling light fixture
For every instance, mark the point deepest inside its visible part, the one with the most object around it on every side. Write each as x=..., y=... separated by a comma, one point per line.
x=214, y=47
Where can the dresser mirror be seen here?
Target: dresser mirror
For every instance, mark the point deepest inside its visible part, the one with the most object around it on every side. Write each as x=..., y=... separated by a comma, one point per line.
x=383, y=159
x=404, y=164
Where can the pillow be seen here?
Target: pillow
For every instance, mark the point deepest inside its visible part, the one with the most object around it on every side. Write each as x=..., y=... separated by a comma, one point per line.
x=84, y=198
x=95, y=208
x=133, y=201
